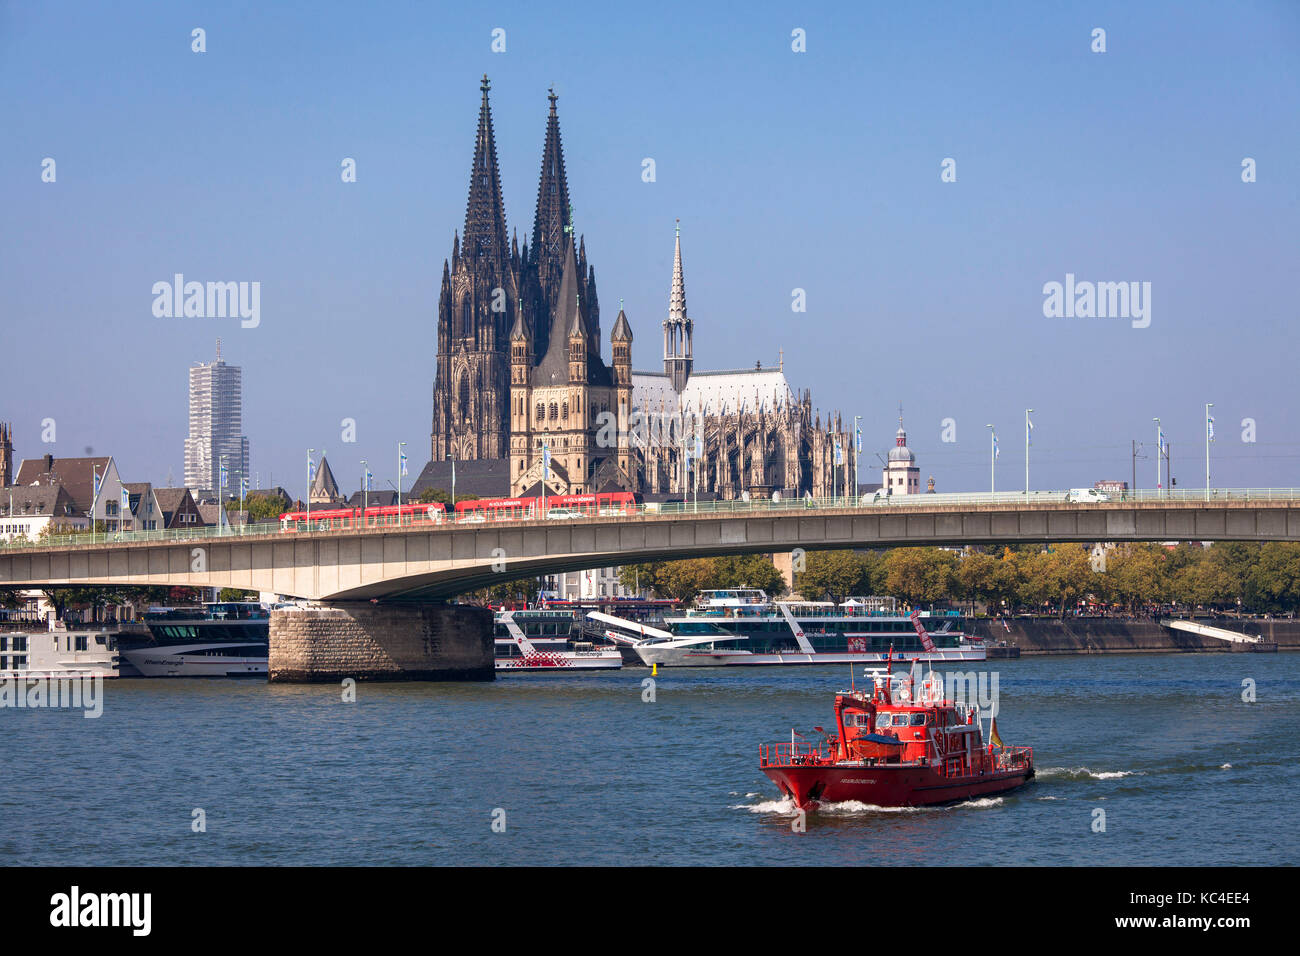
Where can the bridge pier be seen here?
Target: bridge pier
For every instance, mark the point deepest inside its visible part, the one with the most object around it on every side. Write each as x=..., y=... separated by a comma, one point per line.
x=371, y=642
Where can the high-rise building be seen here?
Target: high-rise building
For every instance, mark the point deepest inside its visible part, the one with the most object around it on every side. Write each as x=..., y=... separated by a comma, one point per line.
x=216, y=421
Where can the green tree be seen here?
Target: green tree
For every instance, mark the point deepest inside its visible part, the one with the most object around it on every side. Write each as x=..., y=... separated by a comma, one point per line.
x=920, y=575
x=1274, y=581
x=976, y=578
x=837, y=574
x=1136, y=575
x=746, y=571
x=518, y=590
x=260, y=505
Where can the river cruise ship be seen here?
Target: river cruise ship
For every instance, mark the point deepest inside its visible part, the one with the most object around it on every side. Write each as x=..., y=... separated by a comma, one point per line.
x=58, y=653
x=219, y=639
x=550, y=641
x=742, y=626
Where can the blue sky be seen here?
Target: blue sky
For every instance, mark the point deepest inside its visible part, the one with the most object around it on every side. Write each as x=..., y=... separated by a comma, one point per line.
x=816, y=170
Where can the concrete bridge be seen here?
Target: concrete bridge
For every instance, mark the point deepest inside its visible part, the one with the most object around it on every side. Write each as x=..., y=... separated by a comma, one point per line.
x=425, y=562
x=363, y=568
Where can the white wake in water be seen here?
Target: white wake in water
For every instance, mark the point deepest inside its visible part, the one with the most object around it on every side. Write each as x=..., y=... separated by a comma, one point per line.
x=851, y=807
x=1080, y=773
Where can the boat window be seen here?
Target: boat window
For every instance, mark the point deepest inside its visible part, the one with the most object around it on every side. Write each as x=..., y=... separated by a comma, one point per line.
x=918, y=720
x=882, y=720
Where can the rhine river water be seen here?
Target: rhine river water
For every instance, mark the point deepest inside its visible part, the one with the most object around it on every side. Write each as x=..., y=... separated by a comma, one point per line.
x=1185, y=770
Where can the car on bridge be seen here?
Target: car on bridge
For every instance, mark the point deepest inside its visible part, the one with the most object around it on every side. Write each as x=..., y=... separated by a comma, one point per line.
x=1084, y=495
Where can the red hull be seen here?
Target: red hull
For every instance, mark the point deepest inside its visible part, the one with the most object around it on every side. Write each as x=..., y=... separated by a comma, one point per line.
x=886, y=786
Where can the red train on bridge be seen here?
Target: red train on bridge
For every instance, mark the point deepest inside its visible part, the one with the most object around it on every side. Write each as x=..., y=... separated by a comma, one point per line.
x=475, y=511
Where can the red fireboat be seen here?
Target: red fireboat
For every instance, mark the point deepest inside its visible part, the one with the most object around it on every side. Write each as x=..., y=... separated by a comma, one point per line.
x=902, y=744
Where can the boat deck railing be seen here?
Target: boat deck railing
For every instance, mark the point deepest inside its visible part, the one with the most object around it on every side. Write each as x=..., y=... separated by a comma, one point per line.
x=1014, y=758
x=787, y=754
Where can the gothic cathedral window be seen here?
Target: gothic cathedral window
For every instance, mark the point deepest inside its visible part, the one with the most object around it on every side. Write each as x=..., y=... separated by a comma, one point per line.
x=463, y=397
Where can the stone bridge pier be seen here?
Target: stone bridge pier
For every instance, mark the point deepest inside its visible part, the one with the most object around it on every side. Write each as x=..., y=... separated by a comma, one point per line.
x=374, y=642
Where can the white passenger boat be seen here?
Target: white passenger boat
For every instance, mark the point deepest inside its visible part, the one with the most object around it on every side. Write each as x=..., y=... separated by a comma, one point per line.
x=537, y=640
x=59, y=653
x=742, y=626
x=219, y=639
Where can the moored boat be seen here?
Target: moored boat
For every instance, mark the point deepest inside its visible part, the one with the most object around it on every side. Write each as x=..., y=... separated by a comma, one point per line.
x=541, y=640
x=742, y=626
x=900, y=744
x=60, y=653
x=218, y=639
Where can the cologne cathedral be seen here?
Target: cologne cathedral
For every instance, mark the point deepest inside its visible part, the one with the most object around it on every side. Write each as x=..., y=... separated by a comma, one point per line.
x=521, y=380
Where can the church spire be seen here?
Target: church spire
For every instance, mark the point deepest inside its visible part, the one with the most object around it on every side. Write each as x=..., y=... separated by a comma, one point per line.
x=485, y=216
x=677, y=298
x=553, y=211
x=678, y=329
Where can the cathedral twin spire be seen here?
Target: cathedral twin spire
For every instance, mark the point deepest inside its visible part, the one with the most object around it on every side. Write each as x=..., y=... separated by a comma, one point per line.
x=553, y=221
x=485, y=215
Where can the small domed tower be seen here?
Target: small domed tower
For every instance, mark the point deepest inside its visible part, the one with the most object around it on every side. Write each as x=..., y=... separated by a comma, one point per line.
x=902, y=477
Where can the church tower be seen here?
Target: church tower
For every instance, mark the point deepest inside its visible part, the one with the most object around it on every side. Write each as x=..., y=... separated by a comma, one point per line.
x=678, y=329
x=521, y=367
x=6, y=455
x=477, y=303
x=620, y=339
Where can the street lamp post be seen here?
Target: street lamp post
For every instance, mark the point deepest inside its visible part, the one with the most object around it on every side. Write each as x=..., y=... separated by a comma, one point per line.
x=993, y=454
x=365, y=490
x=1028, y=431
x=309, y=464
x=1209, y=437
x=1160, y=450
x=401, y=459
x=221, y=492
x=857, y=451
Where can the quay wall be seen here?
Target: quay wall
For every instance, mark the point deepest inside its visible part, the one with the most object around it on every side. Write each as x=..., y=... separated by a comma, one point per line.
x=1101, y=635
x=369, y=642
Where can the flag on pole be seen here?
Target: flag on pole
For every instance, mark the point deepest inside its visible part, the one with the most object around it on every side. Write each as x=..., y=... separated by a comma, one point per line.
x=126, y=501
x=995, y=445
x=243, y=486
x=98, y=481
x=402, y=459
x=225, y=476
x=546, y=462
x=839, y=452
x=1160, y=436
x=311, y=469
x=857, y=438
x=1029, y=431
x=994, y=737
x=1209, y=427
x=370, y=476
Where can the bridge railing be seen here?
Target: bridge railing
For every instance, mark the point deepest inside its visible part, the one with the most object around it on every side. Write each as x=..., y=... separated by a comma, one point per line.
x=868, y=502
